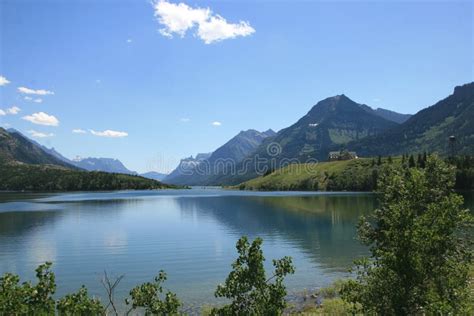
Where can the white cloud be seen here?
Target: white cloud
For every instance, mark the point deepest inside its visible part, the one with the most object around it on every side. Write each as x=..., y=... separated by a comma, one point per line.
x=217, y=29
x=184, y=120
x=13, y=110
x=36, y=134
x=98, y=81
x=109, y=133
x=78, y=131
x=37, y=100
x=42, y=118
x=179, y=18
x=129, y=40
x=3, y=81
x=36, y=92
x=216, y=123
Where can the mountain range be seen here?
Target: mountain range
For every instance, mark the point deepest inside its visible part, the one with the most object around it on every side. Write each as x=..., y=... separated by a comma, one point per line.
x=338, y=123
x=333, y=124
x=14, y=146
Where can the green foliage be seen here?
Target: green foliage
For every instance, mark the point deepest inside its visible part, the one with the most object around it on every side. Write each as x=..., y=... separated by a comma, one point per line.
x=147, y=296
x=19, y=177
x=26, y=299
x=419, y=244
x=80, y=304
x=21, y=299
x=250, y=292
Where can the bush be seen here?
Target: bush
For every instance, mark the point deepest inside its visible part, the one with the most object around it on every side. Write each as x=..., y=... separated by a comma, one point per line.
x=420, y=246
x=80, y=304
x=248, y=288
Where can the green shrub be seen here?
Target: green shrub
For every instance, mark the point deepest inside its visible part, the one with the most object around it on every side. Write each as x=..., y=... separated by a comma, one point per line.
x=250, y=291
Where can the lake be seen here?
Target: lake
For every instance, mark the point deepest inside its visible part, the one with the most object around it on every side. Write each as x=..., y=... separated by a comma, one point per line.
x=191, y=234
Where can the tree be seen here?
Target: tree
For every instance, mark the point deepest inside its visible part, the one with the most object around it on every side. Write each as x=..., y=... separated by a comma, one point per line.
x=250, y=292
x=21, y=299
x=147, y=296
x=420, y=247
x=411, y=162
x=80, y=304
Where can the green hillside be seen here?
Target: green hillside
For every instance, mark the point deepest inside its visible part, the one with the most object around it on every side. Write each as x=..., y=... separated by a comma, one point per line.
x=349, y=175
x=48, y=178
x=16, y=147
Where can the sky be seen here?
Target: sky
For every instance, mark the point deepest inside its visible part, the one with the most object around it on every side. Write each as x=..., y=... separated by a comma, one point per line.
x=151, y=82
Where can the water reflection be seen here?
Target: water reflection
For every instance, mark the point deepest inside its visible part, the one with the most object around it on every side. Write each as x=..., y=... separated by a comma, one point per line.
x=322, y=226
x=190, y=235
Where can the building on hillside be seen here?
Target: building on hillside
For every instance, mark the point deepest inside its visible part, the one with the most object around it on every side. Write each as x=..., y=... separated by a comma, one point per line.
x=342, y=155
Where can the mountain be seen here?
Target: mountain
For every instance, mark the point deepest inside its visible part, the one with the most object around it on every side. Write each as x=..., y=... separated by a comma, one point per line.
x=16, y=148
x=392, y=116
x=240, y=146
x=429, y=130
x=331, y=123
x=201, y=170
x=154, y=175
x=27, y=165
x=102, y=164
x=186, y=167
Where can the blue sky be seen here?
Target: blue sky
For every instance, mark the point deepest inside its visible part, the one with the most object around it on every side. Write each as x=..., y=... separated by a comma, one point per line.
x=157, y=77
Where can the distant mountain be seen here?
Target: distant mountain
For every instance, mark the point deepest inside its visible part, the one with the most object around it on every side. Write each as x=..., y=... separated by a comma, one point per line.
x=102, y=164
x=201, y=170
x=429, y=130
x=241, y=145
x=392, y=116
x=154, y=175
x=186, y=167
x=16, y=148
x=331, y=123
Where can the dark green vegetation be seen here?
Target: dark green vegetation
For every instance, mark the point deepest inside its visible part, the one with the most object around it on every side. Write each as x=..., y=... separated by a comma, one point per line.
x=27, y=166
x=247, y=288
x=350, y=175
x=47, y=178
x=420, y=246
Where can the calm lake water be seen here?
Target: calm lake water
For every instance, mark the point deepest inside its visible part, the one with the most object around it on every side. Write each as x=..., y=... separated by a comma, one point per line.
x=191, y=234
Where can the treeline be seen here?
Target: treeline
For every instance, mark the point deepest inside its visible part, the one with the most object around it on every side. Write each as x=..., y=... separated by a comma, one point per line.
x=464, y=171
x=353, y=175
x=46, y=178
x=364, y=177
